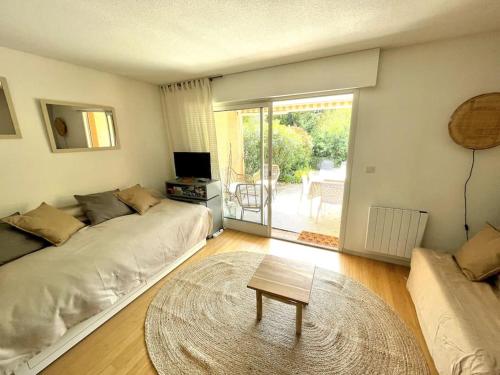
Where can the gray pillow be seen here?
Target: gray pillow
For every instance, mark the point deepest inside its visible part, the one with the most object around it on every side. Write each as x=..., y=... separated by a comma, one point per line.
x=15, y=243
x=100, y=207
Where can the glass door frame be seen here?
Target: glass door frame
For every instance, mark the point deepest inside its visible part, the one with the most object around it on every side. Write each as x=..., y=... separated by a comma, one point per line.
x=264, y=228
x=350, y=153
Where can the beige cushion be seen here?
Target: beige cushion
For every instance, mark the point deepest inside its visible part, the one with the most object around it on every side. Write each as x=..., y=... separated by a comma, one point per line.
x=47, y=222
x=479, y=258
x=138, y=198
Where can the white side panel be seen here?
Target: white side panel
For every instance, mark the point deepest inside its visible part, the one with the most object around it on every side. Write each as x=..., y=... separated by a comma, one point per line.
x=394, y=231
x=403, y=233
x=396, y=226
x=372, y=221
x=412, y=233
x=386, y=235
x=424, y=216
x=379, y=228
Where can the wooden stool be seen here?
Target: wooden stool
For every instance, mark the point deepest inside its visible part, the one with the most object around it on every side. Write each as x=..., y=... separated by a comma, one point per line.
x=283, y=280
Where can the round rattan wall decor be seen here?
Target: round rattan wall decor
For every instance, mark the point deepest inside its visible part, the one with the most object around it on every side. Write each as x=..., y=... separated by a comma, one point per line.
x=475, y=124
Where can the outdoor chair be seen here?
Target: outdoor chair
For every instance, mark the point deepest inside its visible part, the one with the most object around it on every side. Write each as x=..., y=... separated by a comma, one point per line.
x=231, y=178
x=275, y=175
x=248, y=197
x=331, y=192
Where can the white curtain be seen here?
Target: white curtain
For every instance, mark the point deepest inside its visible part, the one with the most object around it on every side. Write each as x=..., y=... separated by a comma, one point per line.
x=189, y=118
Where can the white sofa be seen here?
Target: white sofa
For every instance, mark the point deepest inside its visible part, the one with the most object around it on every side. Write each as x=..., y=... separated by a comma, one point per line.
x=51, y=299
x=460, y=319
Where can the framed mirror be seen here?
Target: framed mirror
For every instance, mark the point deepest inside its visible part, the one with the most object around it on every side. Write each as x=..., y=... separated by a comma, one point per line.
x=75, y=127
x=9, y=127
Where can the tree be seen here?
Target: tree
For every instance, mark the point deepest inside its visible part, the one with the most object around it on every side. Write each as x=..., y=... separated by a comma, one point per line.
x=306, y=120
x=301, y=140
x=331, y=136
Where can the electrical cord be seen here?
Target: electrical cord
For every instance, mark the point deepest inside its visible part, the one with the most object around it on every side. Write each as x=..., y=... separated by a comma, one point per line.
x=466, y=225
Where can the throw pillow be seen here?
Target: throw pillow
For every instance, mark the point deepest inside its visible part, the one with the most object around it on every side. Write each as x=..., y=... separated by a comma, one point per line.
x=99, y=207
x=479, y=258
x=47, y=222
x=15, y=243
x=138, y=198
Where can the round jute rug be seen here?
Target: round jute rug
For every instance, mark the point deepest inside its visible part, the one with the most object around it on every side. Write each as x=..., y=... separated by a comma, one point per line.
x=203, y=320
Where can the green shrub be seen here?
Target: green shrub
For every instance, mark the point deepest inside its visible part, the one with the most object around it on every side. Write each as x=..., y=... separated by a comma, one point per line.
x=292, y=149
x=301, y=140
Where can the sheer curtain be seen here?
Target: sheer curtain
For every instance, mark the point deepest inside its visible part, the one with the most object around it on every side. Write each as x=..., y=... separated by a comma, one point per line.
x=189, y=118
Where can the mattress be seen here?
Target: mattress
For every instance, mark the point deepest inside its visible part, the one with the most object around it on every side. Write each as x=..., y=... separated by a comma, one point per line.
x=45, y=293
x=460, y=319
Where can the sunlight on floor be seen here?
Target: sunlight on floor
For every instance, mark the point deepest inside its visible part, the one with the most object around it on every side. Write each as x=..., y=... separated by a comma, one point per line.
x=324, y=258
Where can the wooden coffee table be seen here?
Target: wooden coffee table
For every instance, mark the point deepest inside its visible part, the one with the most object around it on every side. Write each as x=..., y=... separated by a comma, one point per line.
x=285, y=280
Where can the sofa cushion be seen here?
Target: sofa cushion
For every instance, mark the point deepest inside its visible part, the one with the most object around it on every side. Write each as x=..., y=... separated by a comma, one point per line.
x=15, y=243
x=99, y=207
x=138, y=198
x=47, y=222
x=479, y=258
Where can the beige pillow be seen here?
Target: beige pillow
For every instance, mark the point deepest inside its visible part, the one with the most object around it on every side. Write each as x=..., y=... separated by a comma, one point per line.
x=479, y=258
x=138, y=198
x=47, y=222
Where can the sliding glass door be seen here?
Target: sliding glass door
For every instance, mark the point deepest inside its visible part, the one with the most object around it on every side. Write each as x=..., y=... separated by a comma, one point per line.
x=285, y=166
x=311, y=138
x=243, y=147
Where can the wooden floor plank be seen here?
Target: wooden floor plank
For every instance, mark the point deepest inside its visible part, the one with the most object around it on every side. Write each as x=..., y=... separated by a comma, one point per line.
x=118, y=346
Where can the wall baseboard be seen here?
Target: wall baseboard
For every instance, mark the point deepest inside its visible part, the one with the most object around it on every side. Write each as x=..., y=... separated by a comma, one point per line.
x=379, y=257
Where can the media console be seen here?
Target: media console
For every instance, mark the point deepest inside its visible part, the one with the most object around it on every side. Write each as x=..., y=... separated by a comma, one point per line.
x=199, y=191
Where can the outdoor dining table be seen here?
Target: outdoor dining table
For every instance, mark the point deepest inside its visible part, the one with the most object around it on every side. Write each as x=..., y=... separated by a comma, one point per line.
x=314, y=188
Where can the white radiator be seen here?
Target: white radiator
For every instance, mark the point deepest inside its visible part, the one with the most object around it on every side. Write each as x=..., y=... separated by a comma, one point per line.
x=395, y=231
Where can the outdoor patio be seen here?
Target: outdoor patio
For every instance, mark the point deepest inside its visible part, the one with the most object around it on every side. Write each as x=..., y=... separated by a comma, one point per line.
x=309, y=147
x=295, y=214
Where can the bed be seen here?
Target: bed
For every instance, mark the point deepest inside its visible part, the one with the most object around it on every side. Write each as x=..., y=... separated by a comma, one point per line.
x=53, y=298
x=460, y=319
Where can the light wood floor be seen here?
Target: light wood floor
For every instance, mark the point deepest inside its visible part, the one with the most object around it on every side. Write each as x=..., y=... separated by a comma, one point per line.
x=118, y=346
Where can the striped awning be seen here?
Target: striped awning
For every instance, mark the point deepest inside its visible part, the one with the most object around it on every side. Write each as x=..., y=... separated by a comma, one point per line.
x=308, y=104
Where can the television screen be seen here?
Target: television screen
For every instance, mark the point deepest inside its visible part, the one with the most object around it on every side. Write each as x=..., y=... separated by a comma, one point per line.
x=192, y=164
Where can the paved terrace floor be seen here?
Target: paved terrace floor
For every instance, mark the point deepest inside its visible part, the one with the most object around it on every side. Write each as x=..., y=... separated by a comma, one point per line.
x=290, y=213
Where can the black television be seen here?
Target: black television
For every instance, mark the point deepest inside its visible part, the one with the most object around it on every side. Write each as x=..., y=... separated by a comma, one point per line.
x=192, y=164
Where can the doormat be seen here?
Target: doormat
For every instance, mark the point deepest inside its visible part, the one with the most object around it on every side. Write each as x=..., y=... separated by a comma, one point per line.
x=319, y=239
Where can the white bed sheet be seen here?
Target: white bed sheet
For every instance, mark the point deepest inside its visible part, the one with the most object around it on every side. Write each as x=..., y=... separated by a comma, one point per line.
x=45, y=293
x=460, y=319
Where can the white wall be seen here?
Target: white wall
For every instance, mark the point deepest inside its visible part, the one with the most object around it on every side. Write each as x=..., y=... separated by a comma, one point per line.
x=31, y=173
x=402, y=130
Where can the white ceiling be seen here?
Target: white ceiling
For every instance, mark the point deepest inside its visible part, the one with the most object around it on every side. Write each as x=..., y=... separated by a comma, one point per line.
x=169, y=40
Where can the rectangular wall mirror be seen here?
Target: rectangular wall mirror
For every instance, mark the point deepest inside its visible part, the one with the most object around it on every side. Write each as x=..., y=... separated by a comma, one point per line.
x=8, y=120
x=79, y=127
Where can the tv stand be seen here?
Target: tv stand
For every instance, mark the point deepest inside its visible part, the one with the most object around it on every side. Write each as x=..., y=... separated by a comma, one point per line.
x=199, y=191
x=189, y=180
